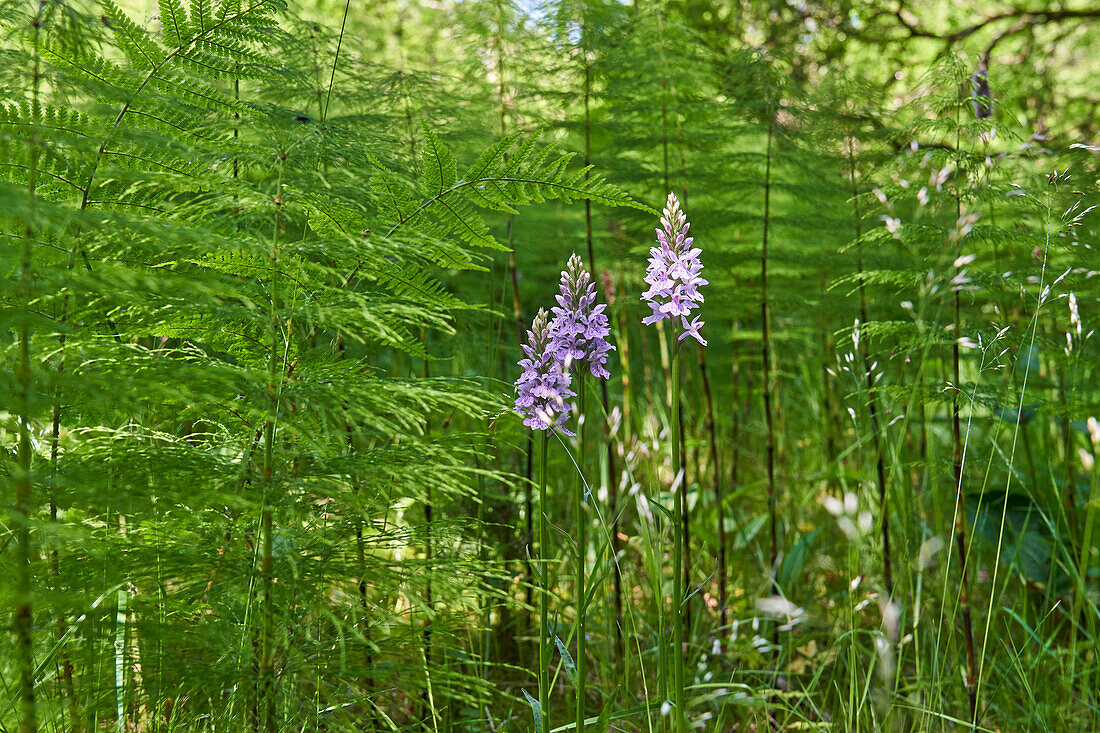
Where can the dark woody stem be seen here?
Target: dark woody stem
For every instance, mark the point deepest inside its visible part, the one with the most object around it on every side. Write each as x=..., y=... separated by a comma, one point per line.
x=544, y=595
x=677, y=549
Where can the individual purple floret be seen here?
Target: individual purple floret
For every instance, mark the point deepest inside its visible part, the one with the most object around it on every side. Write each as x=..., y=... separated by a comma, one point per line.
x=544, y=385
x=673, y=274
x=579, y=329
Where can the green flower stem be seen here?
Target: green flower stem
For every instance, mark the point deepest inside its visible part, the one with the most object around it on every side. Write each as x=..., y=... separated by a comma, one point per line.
x=677, y=551
x=1083, y=563
x=544, y=596
x=622, y=340
x=582, y=544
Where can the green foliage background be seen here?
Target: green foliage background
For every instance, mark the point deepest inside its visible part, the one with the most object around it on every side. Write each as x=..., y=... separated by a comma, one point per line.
x=267, y=269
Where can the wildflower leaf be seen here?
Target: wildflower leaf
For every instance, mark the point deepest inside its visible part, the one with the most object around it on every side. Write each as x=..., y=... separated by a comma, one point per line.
x=536, y=709
x=1027, y=539
x=742, y=536
x=567, y=660
x=790, y=570
x=665, y=511
x=603, y=723
x=701, y=585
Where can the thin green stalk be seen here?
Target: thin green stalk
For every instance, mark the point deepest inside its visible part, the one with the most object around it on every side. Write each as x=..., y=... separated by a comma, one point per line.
x=487, y=599
x=267, y=565
x=121, y=611
x=738, y=408
x=872, y=404
x=666, y=367
x=719, y=499
x=335, y=61
x=24, y=483
x=969, y=679
x=517, y=307
x=582, y=544
x=68, y=688
x=429, y=508
x=680, y=501
x=544, y=595
x=267, y=562
x=360, y=566
x=827, y=410
x=91, y=665
x=685, y=521
x=364, y=624
x=24, y=601
x=624, y=431
x=853, y=652
x=589, y=241
x=529, y=531
x=686, y=560
x=769, y=412
x=1086, y=554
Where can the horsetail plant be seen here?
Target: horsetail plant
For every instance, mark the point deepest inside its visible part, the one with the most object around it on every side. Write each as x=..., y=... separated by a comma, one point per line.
x=586, y=58
x=578, y=339
x=22, y=477
x=542, y=389
x=674, y=282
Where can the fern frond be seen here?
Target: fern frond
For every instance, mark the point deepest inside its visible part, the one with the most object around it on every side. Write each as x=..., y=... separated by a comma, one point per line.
x=139, y=47
x=174, y=23
x=437, y=164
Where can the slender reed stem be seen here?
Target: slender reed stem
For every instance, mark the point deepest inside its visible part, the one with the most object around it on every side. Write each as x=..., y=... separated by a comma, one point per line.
x=622, y=338
x=429, y=510
x=428, y=598
x=544, y=595
x=969, y=680
x=872, y=403
x=517, y=313
x=581, y=519
x=1081, y=591
x=827, y=410
x=624, y=430
x=680, y=505
x=24, y=600
x=335, y=62
x=582, y=533
x=364, y=621
x=738, y=409
x=685, y=524
x=267, y=563
x=529, y=529
x=68, y=688
x=603, y=384
x=769, y=412
x=24, y=483
x=719, y=500
x=960, y=529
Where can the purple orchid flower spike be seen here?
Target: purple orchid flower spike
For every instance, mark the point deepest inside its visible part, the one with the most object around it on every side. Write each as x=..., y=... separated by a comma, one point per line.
x=673, y=274
x=544, y=385
x=579, y=329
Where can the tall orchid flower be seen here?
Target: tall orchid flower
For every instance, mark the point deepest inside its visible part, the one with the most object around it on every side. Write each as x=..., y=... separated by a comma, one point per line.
x=543, y=387
x=578, y=334
x=541, y=393
x=673, y=274
x=579, y=329
x=674, y=282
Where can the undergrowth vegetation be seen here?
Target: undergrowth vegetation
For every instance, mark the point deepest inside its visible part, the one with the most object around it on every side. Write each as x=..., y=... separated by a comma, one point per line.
x=269, y=275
